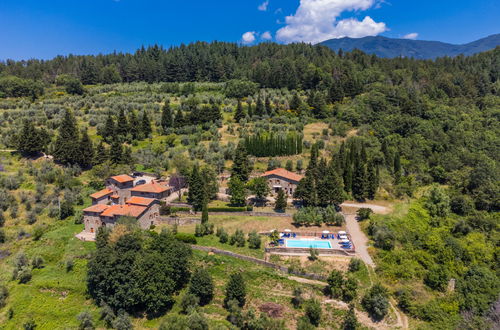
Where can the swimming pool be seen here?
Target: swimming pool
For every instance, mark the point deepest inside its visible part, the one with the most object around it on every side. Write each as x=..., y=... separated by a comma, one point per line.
x=299, y=243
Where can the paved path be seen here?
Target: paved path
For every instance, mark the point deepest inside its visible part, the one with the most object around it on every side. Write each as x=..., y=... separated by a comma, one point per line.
x=359, y=238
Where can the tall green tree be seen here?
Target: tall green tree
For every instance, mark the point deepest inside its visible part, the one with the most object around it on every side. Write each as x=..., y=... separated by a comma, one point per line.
x=146, y=125
x=196, y=192
x=237, y=190
x=235, y=290
x=202, y=286
x=66, y=149
x=86, y=150
x=239, y=114
x=281, y=203
x=241, y=164
x=166, y=116
x=122, y=126
x=29, y=140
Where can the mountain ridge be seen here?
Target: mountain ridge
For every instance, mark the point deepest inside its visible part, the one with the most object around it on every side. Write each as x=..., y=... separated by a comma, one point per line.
x=418, y=49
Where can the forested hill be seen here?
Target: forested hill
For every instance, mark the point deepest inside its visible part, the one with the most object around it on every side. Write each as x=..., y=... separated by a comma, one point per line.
x=295, y=66
x=419, y=49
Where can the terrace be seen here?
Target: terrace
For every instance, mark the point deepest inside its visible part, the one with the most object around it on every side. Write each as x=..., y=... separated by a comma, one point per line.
x=300, y=243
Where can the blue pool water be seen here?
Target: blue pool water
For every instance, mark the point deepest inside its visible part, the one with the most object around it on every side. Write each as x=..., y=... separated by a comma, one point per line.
x=296, y=243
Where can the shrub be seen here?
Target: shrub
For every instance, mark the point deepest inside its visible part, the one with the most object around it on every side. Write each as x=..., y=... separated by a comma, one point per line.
x=186, y=238
x=335, y=283
x=437, y=278
x=202, y=286
x=3, y=237
x=122, y=322
x=69, y=265
x=350, y=321
x=355, y=264
x=37, y=262
x=237, y=238
x=227, y=209
x=376, y=302
x=165, y=209
x=4, y=294
x=313, y=254
x=349, y=291
x=297, y=298
x=66, y=210
x=29, y=325
x=107, y=315
x=196, y=321
x=31, y=218
x=313, y=311
x=254, y=240
x=188, y=302
x=24, y=275
x=363, y=214
x=224, y=237
x=86, y=322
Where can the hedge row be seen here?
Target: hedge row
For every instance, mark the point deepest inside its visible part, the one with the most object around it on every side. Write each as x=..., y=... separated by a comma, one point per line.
x=186, y=238
x=230, y=209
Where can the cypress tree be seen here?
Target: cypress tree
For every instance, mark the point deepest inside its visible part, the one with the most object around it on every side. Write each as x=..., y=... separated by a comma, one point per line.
x=109, y=128
x=239, y=113
x=135, y=127
x=250, y=109
x=238, y=194
x=196, y=192
x=241, y=165
x=267, y=106
x=235, y=290
x=358, y=179
x=87, y=152
x=204, y=212
x=102, y=154
x=281, y=201
x=259, y=110
x=66, y=148
x=116, y=152
x=330, y=187
x=372, y=180
x=179, y=119
x=127, y=155
x=145, y=125
x=397, y=168
x=122, y=127
x=166, y=116
x=296, y=102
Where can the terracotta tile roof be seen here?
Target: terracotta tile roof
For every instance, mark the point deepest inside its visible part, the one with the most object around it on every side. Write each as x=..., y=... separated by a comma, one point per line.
x=152, y=187
x=96, y=208
x=124, y=210
x=101, y=193
x=114, y=196
x=122, y=178
x=135, y=200
x=284, y=174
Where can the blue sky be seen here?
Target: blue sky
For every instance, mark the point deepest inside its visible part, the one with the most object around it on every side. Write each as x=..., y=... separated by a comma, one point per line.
x=46, y=28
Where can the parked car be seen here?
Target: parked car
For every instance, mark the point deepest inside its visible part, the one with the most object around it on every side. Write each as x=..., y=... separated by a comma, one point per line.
x=140, y=182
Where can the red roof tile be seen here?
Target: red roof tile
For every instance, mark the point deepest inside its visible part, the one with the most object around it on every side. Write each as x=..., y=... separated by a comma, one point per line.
x=101, y=193
x=284, y=174
x=98, y=208
x=135, y=200
x=124, y=210
x=152, y=187
x=122, y=178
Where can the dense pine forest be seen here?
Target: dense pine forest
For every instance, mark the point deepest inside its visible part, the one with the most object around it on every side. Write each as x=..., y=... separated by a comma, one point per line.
x=423, y=135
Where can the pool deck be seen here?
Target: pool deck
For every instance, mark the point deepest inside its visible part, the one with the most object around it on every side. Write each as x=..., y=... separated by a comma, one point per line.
x=336, y=248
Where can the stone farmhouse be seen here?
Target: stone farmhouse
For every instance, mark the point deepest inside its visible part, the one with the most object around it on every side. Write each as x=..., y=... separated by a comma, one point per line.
x=127, y=196
x=281, y=179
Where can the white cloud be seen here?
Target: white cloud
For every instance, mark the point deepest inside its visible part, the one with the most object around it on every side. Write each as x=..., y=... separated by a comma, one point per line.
x=263, y=6
x=317, y=20
x=266, y=36
x=411, y=36
x=248, y=37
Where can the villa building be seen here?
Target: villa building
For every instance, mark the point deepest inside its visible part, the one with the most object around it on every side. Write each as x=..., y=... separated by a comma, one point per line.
x=126, y=196
x=281, y=179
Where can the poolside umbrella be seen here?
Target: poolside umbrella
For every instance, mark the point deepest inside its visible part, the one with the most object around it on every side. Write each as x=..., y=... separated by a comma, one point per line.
x=326, y=232
x=345, y=241
x=342, y=233
x=288, y=231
